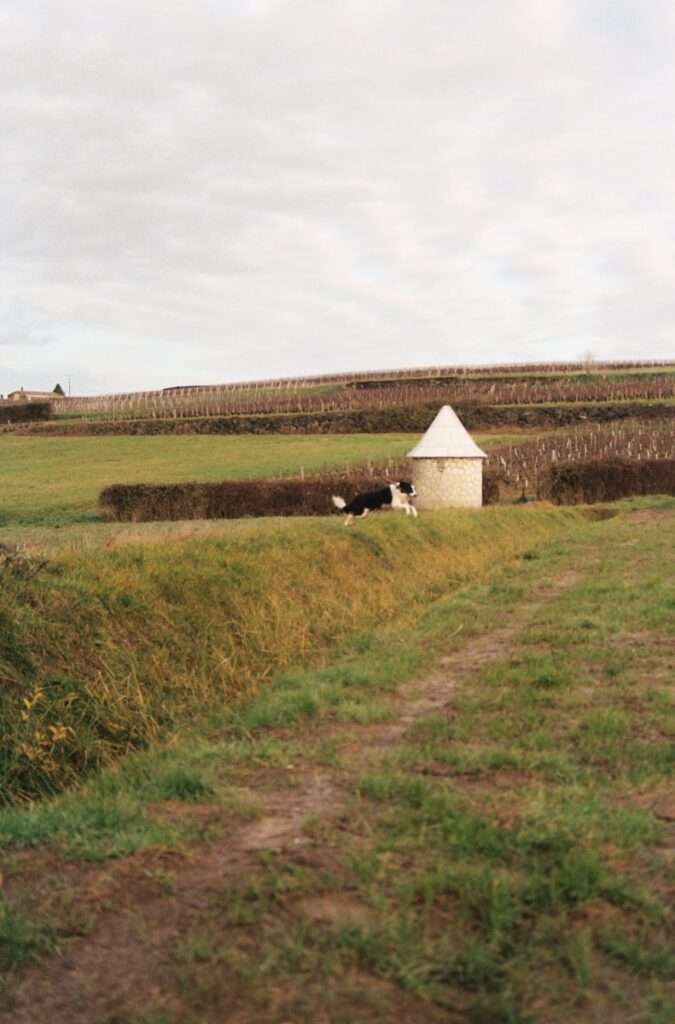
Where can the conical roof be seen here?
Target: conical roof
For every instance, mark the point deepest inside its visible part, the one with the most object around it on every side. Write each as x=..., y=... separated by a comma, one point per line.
x=447, y=438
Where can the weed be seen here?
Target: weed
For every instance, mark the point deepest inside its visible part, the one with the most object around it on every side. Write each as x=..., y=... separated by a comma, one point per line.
x=22, y=938
x=640, y=954
x=578, y=954
x=179, y=784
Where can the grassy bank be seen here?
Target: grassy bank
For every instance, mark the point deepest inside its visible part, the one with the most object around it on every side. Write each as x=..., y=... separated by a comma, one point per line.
x=101, y=653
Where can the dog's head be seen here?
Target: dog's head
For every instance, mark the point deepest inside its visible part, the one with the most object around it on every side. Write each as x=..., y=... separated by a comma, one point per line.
x=406, y=488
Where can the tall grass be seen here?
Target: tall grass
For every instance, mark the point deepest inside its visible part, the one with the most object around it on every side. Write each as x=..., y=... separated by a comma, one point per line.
x=100, y=654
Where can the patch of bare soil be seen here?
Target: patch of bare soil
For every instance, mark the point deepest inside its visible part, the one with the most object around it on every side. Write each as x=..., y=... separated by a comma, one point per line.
x=282, y=824
x=649, y=515
x=142, y=907
x=334, y=908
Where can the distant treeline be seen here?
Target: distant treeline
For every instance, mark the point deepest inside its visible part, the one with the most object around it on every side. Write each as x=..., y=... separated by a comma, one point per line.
x=24, y=412
x=399, y=419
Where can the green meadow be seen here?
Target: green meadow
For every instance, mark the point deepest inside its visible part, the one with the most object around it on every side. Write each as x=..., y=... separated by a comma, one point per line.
x=55, y=481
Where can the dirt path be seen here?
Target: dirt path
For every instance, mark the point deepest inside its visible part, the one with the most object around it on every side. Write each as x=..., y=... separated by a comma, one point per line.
x=134, y=918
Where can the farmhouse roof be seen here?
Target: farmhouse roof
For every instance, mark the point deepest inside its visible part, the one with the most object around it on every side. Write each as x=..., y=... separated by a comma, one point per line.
x=447, y=438
x=29, y=394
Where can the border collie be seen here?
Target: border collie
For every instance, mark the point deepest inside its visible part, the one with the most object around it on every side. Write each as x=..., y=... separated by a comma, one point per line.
x=396, y=495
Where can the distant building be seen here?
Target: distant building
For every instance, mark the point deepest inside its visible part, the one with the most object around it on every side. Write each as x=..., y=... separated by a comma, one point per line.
x=35, y=396
x=447, y=465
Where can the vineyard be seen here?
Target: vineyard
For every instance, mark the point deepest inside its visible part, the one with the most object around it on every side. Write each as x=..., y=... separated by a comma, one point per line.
x=523, y=468
x=533, y=384
x=252, y=402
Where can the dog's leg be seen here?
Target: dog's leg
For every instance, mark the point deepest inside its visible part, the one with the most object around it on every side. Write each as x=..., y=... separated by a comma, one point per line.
x=348, y=520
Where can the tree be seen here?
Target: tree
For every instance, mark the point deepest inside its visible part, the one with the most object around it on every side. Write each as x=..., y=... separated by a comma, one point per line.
x=58, y=390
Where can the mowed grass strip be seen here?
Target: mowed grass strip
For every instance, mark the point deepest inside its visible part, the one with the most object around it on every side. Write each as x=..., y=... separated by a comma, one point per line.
x=512, y=861
x=522, y=844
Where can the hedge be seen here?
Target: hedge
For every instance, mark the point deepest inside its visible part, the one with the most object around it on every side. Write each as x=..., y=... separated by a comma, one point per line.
x=608, y=480
x=236, y=499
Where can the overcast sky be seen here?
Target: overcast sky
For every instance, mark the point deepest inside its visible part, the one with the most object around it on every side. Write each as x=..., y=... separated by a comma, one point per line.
x=198, y=191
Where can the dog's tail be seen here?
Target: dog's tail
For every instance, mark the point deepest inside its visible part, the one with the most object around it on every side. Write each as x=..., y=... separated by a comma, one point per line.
x=339, y=502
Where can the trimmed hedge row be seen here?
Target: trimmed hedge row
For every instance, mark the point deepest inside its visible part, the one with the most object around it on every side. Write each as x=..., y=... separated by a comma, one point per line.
x=236, y=499
x=411, y=419
x=24, y=412
x=608, y=480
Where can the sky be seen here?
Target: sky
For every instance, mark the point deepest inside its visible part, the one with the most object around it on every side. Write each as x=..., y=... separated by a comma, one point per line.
x=202, y=191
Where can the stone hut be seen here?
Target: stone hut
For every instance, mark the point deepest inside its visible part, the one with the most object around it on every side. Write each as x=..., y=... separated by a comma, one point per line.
x=447, y=465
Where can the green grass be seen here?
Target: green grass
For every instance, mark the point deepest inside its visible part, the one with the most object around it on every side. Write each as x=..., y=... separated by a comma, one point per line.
x=529, y=882
x=21, y=937
x=55, y=481
x=514, y=859
x=506, y=853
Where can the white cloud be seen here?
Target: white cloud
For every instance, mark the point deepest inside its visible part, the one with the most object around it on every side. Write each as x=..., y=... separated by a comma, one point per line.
x=271, y=187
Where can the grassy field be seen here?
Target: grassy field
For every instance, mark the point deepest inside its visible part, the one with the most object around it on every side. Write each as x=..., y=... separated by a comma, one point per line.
x=53, y=481
x=443, y=796
x=464, y=815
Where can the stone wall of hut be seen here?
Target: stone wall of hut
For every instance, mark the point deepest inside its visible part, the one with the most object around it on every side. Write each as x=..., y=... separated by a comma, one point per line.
x=448, y=483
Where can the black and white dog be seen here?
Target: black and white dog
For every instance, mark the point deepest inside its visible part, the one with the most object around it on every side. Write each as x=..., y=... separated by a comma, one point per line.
x=396, y=495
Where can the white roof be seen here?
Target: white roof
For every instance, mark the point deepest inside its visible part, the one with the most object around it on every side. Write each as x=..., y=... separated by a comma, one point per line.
x=447, y=438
